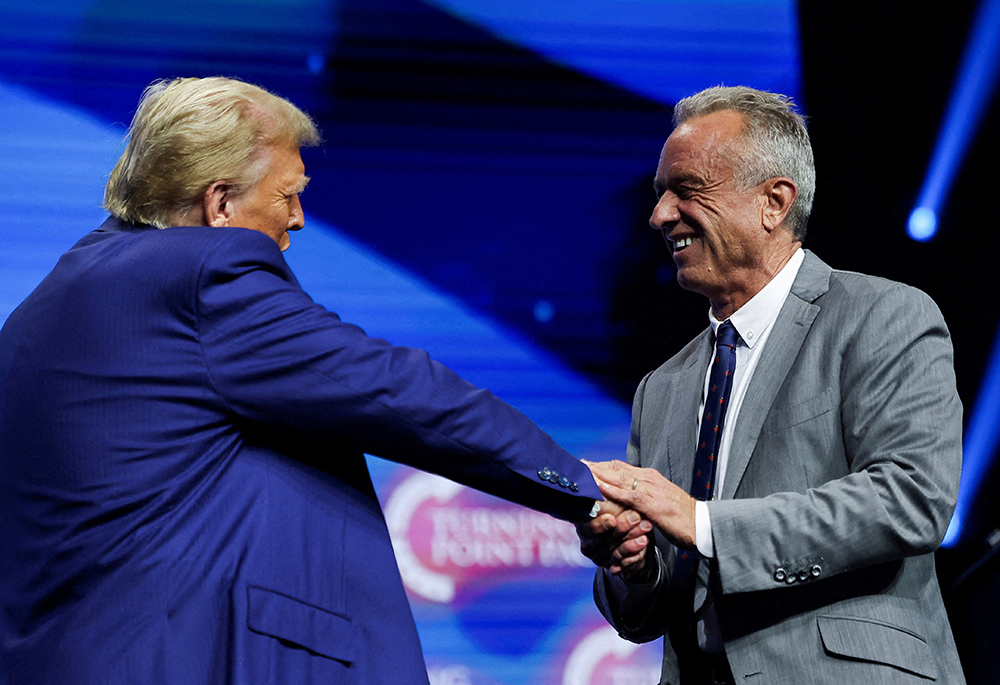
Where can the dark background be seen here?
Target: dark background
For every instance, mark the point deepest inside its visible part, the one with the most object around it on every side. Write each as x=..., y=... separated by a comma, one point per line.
x=876, y=88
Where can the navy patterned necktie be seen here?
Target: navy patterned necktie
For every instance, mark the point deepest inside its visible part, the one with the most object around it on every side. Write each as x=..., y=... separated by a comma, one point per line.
x=720, y=384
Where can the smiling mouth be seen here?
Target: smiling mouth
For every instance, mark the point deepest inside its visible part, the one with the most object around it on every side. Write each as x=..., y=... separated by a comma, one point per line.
x=681, y=243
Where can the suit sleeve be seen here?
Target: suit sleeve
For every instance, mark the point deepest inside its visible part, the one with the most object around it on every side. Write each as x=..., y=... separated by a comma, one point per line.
x=281, y=363
x=900, y=420
x=635, y=610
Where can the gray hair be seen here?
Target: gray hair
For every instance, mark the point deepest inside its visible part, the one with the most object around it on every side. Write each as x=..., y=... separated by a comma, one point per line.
x=775, y=142
x=187, y=134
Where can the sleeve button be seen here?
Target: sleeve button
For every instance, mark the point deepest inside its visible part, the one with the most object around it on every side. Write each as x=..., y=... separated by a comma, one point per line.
x=780, y=575
x=816, y=570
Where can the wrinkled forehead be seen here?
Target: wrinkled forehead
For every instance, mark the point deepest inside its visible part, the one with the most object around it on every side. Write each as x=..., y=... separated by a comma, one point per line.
x=703, y=142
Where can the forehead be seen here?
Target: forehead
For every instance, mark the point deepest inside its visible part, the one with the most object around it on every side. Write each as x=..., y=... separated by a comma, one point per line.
x=699, y=145
x=284, y=164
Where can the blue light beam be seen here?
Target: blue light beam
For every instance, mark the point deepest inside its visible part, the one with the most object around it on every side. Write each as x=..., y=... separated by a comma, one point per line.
x=977, y=78
x=923, y=224
x=974, y=88
x=980, y=442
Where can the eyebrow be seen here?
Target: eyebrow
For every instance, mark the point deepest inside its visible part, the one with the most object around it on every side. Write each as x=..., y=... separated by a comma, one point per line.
x=301, y=185
x=660, y=185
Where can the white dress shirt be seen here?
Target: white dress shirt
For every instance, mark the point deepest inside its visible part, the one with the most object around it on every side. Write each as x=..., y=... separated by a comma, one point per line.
x=753, y=322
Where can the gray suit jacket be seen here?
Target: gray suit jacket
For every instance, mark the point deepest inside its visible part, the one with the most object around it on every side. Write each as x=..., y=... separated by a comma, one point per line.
x=841, y=480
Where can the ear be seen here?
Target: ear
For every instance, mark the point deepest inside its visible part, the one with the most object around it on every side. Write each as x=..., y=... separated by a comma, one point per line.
x=217, y=204
x=779, y=194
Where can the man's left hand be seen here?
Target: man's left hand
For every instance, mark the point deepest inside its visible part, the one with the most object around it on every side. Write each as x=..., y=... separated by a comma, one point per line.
x=648, y=492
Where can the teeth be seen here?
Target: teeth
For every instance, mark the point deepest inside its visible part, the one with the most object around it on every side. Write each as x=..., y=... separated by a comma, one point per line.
x=682, y=243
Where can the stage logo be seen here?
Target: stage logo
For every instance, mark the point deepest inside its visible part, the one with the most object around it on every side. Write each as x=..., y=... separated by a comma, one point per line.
x=603, y=658
x=446, y=535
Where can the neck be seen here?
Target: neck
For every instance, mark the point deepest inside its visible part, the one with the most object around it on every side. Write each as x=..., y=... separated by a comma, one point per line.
x=727, y=303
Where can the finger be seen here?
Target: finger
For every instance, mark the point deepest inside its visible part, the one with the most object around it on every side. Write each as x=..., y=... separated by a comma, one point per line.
x=630, y=549
x=624, y=477
x=611, y=471
x=634, y=563
x=608, y=507
x=630, y=524
x=638, y=565
x=639, y=571
x=625, y=497
x=598, y=526
x=628, y=566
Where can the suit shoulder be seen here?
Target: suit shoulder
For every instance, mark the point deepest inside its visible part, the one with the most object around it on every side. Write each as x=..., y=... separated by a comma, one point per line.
x=199, y=252
x=860, y=282
x=164, y=265
x=861, y=288
x=191, y=241
x=873, y=300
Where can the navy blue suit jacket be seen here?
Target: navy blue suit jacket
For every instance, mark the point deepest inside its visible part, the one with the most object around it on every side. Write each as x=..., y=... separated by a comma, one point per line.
x=184, y=493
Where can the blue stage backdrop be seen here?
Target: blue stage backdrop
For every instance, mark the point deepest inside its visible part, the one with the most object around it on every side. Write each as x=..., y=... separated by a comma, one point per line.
x=476, y=197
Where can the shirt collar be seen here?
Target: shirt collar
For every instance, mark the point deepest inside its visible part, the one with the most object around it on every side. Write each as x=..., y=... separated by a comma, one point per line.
x=757, y=315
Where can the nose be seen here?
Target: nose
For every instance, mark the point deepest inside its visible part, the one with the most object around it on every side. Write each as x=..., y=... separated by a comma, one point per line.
x=665, y=212
x=296, y=218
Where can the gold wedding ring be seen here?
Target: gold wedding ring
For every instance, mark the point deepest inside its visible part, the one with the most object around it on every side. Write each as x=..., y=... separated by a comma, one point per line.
x=635, y=483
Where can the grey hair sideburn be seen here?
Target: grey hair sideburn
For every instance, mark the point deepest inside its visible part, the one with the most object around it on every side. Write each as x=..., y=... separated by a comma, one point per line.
x=188, y=133
x=775, y=142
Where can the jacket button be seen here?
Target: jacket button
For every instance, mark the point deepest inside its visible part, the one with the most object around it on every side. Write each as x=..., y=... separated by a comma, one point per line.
x=816, y=570
x=574, y=487
x=564, y=481
x=780, y=575
x=803, y=575
x=544, y=473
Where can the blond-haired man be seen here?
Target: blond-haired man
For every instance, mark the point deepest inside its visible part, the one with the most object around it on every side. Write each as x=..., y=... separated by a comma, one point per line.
x=185, y=496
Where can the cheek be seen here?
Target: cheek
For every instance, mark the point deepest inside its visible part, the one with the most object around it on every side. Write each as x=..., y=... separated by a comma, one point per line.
x=278, y=213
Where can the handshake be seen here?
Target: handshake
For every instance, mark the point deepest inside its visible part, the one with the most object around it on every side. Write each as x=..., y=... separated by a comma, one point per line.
x=637, y=501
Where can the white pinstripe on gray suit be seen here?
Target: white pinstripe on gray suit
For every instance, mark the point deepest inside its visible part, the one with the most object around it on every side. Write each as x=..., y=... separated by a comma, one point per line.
x=842, y=478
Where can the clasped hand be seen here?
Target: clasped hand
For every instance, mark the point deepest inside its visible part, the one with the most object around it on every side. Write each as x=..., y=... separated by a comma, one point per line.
x=620, y=537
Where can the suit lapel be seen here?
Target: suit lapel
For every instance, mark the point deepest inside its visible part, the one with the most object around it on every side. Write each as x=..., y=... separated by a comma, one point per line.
x=681, y=426
x=780, y=352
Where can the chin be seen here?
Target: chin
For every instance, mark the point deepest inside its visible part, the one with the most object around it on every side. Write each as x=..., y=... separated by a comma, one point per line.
x=685, y=281
x=691, y=282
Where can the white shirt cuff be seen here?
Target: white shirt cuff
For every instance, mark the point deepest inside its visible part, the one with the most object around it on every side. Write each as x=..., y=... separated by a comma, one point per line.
x=703, y=539
x=596, y=509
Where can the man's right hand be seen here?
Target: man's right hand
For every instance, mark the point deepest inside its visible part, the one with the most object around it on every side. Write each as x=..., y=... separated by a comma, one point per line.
x=619, y=540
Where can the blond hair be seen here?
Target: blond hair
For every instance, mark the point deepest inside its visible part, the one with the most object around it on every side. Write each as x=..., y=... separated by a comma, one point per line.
x=187, y=134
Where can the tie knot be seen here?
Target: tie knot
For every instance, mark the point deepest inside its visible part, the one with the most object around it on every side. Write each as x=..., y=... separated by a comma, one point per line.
x=726, y=335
